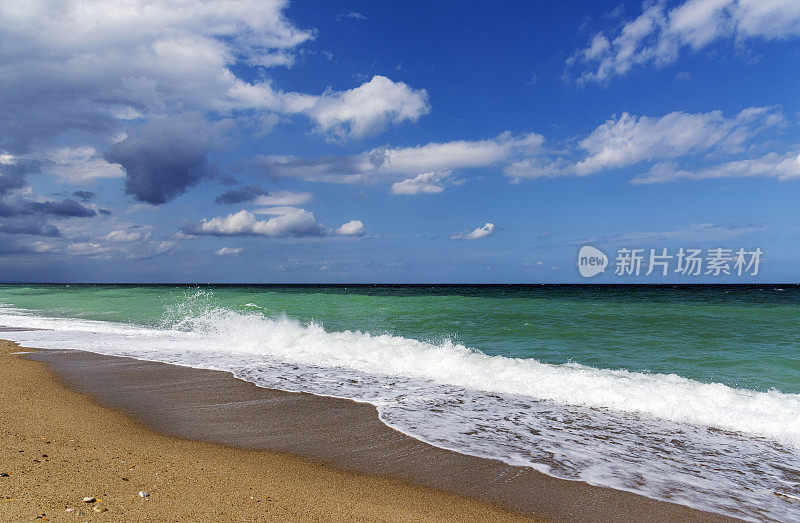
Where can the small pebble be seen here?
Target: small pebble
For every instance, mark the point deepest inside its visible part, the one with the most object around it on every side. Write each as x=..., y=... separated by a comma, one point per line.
x=69, y=509
x=100, y=509
x=3, y=474
x=143, y=494
x=89, y=499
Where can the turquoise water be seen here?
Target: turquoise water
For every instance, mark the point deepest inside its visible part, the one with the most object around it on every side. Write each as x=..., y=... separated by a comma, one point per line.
x=686, y=394
x=747, y=337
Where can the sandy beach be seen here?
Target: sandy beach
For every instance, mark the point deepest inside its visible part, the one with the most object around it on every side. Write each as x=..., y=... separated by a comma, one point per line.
x=109, y=428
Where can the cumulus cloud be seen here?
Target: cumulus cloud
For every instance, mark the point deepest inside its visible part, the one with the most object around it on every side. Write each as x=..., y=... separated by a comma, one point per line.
x=351, y=228
x=629, y=139
x=659, y=35
x=285, y=222
x=74, y=84
x=475, y=234
x=246, y=193
x=298, y=223
x=341, y=115
x=229, y=251
x=430, y=183
x=164, y=158
x=93, y=71
x=368, y=108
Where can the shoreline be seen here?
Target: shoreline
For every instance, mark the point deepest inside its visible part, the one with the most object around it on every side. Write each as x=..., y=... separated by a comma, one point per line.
x=343, y=438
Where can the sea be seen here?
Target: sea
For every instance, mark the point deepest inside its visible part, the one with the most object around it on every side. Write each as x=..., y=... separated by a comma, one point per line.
x=689, y=394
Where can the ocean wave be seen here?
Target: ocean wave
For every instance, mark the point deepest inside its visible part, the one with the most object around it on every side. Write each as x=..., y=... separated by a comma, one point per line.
x=771, y=414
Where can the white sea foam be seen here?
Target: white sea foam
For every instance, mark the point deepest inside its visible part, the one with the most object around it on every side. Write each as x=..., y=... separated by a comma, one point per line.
x=661, y=435
x=771, y=414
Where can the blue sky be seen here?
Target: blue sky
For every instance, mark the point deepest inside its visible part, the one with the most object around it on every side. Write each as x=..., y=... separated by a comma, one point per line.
x=267, y=141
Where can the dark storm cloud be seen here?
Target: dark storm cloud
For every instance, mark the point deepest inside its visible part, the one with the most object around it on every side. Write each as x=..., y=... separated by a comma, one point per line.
x=84, y=196
x=30, y=217
x=25, y=216
x=35, y=225
x=164, y=157
x=67, y=208
x=12, y=176
x=242, y=194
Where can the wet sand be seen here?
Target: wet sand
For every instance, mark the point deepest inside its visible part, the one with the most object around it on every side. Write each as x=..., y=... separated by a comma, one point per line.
x=205, y=444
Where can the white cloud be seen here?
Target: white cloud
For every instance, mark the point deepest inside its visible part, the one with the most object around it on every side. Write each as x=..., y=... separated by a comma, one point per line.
x=391, y=164
x=91, y=69
x=620, y=142
x=772, y=165
x=81, y=165
x=228, y=251
x=630, y=139
x=283, y=198
x=125, y=236
x=76, y=66
x=430, y=182
x=658, y=35
x=368, y=108
x=355, y=113
x=298, y=223
x=475, y=234
x=351, y=228
x=455, y=155
x=285, y=222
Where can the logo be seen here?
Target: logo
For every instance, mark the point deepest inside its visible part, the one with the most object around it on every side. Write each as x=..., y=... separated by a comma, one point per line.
x=591, y=261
